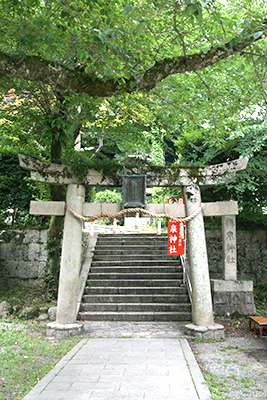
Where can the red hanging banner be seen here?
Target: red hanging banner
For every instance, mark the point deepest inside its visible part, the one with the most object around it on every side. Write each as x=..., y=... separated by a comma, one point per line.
x=175, y=237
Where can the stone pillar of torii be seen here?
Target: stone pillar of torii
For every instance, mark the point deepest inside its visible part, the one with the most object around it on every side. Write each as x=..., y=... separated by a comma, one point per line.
x=188, y=178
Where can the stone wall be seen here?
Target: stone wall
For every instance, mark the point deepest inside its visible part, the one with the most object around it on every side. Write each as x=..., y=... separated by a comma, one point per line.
x=22, y=257
x=251, y=255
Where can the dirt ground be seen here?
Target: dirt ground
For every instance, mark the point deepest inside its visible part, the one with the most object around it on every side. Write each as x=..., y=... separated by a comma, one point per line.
x=237, y=366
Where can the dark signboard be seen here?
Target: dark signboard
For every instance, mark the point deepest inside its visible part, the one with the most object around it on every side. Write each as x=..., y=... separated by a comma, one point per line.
x=133, y=191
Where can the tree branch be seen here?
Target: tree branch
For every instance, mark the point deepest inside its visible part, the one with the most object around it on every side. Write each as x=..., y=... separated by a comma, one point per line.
x=260, y=80
x=174, y=105
x=211, y=101
x=35, y=68
x=177, y=30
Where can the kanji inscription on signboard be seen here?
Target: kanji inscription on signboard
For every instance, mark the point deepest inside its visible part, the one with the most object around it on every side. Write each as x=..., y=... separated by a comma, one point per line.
x=175, y=234
x=175, y=238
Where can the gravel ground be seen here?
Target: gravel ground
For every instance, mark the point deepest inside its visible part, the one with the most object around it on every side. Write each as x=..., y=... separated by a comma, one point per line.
x=237, y=366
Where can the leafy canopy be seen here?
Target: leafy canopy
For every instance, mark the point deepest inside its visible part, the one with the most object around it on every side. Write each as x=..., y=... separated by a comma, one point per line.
x=102, y=47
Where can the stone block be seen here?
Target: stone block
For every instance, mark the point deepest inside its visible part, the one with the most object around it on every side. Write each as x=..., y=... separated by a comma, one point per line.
x=220, y=298
x=28, y=313
x=211, y=332
x=34, y=251
x=43, y=310
x=41, y=269
x=218, y=285
x=259, y=236
x=209, y=335
x=236, y=298
x=220, y=208
x=13, y=251
x=253, y=252
x=5, y=309
x=219, y=334
x=42, y=253
x=52, y=313
x=156, y=208
x=9, y=269
x=227, y=303
x=43, y=317
x=177, y=210
x=198, y=335
x=47, y=208
x=27, y=270
x=91, y=209
x=57, y=330
x=222, y=309
x=250, y=309
x=31, y=237
x=248, y=298
x=4, y=247
x=42, y=236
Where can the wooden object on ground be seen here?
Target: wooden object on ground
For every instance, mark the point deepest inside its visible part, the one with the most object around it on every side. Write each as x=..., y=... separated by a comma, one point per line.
x=257, y=322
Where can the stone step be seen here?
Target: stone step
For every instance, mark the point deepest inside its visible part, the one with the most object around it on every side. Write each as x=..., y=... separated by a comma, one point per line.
x=131, y=239
x=130, y=246
x=136, y=263
x=126, y=234
x=133, y=282
x=133, y=242
x=135, y=298
x=136, y=275
x=137, y=235
x=135, y=307
x=137, y=257
x=143, y=290
x=134, y=316
x=139, y=269
x=132, y=279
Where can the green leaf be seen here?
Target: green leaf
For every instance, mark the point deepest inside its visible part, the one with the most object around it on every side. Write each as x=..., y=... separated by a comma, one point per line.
x=108, y=32
x=127, y=9
x=101, y=36
x=257, y=35
x=233, y=42
x=139, y=29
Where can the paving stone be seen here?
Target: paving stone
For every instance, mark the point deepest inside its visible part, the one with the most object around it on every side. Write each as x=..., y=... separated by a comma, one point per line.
x=133, y=368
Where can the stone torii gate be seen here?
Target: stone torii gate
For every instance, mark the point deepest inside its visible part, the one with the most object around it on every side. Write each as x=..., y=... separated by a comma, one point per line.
x=189, y=178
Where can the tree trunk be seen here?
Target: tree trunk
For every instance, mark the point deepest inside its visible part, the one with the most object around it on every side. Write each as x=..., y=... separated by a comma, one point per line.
x=55, y=231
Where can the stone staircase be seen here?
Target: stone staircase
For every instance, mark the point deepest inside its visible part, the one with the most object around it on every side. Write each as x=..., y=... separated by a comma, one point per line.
x=132, y=279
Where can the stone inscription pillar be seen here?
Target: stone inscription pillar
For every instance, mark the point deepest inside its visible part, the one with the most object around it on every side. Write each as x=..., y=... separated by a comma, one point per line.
x=229, y=247
x=70, y=257
x=202, y=313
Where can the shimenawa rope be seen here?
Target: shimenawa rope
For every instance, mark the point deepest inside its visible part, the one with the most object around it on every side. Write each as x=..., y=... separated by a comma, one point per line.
x=135, y=210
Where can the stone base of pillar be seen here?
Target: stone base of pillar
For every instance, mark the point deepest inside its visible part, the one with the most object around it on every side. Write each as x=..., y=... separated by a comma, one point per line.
x=230, y=297
x=212, y=332
x=54, y=329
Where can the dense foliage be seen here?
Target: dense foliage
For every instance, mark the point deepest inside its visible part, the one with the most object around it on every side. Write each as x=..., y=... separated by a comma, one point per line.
x=16, y=192
x=97, y=83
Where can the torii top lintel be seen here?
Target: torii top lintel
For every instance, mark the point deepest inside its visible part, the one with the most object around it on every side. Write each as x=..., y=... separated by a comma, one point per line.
x=55, y=174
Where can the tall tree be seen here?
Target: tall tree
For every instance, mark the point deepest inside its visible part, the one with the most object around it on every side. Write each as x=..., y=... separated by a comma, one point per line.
x=102, y=47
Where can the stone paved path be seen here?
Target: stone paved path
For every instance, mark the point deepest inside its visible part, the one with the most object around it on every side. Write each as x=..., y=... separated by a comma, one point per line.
x=132, y=361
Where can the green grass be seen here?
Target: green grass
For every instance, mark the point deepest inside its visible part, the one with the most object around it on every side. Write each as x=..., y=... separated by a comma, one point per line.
x=23, y=295
x=215, y=385
x=26, y=355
